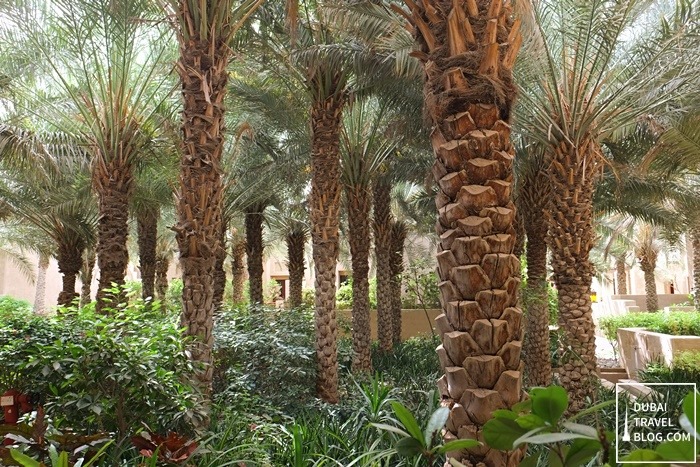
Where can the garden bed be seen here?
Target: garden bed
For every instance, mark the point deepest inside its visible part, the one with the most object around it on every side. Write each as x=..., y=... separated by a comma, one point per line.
x=639, y=347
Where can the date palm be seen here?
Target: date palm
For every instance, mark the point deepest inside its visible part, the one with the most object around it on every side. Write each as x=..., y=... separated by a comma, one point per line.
x=204, y=32
x=587, y=84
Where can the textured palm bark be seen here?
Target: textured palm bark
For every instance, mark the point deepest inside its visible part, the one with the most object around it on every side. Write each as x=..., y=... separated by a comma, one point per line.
x=359, y=204
x=254, y=251
x=203, y=74
x=571, y=238
x=647, y=263
x=695, y=238
x=468, y=50
x=238, y=268
x=538, y=363
x=113, y=181
x=86, y=277
x=398, y=238
x=381, y=225
x=296, y=242
x=147, y=230
x=621, y=273
x=325, y=218
x=520, y=234
x=161, y=284
x=70, y=259
x=219, y=271
x=40, y=292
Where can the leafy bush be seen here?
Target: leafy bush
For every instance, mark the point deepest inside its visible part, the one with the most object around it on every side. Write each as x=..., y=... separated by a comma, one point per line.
x=10, y=306
x=343, y=297
x=685, y=369
x=421, y=284
x=679, y=323
x=173, y=297
x=106, y=373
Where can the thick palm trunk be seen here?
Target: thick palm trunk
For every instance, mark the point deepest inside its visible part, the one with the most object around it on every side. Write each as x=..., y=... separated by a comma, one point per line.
x=238, y=267
x=70, y=259
x=359, y=203
x=621, y=273
x=398, y=237
x=161, y=280
x=538, y=363
x=254, y=244
x=40, y=292
x=202, y=69
x=468, y=50
x=147, y=239
x=86, y=277
x=219, y=271
x=296, y=241
x=325, y=218
x=648, y=265
x=112, y=181
x=382, y=251
x=571, y=239
x=695, y=237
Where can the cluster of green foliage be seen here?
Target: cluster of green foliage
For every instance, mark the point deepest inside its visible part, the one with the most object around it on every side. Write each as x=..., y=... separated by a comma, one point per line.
x=97, y=372
x=677, y=323
x=421, y=285
x=343, y=297
x=685, y=369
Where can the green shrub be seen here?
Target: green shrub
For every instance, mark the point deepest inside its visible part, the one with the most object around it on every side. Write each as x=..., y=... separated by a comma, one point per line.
x=10, y=306
x=421, y=288
x=685, y=369
x=678, y=323
x=105, y=373
x=343, y=296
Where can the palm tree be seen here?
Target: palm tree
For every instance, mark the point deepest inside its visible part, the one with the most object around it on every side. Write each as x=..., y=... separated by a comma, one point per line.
x=238, y=268
x=363, y=150
x=587, y=84
x=468, y=51
x=399, y=231
x=532, y=196
x=204, y=32
x=381, y=224
x=647, y=250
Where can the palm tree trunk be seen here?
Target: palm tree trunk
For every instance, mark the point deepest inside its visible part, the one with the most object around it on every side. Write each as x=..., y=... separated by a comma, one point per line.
x=202, y=66
x=296, y=241
x=359, y=203
x=382, y=251
x=219, y=271
x=519, y=247
x=112, y=181
x=70, y=259
x=538, y=363
x=468, y=50
x=695, y=237
x=398, y=237
x=648, y=265
x=86, y=277
x=40, y=292
x=161, y=280
x=325, y=218
x=621, y=272
x=254, y=244
x=571, y=238
x=147, y=239
x=238, y=268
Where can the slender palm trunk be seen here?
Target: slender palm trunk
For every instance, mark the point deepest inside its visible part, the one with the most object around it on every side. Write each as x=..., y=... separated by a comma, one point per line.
x=570, y=219
x=238, y=267
x=325, y=218
x=70, y=259
x=86, y=277
x=359, y=203
x=254, y=245
x=40, y=292
x=398, y=237
x=296, y=241
x=695, y=237
x=219, y=271
x=538, y=363
x=113, y=181
x=519, y=247
x=161, y=281
x=468, y=50
x=648, y=265
x=147, y=239
x=202, y=68
x=621, y=273
x=382, y=251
